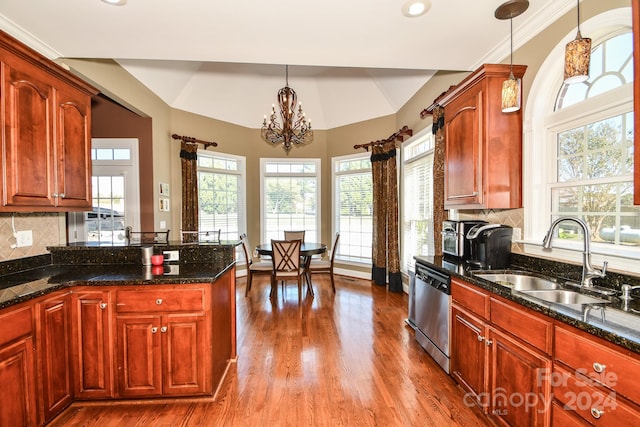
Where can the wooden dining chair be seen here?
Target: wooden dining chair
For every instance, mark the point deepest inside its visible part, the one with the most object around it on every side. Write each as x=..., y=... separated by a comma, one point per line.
x=253, y=267
x=293, y=235
x=318, y=266
x=286, y=264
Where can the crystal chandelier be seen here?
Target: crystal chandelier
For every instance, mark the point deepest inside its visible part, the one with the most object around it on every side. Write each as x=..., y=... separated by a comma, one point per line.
x=298, y=132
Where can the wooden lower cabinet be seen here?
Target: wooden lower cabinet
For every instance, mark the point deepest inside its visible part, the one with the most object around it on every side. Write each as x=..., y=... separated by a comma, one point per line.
x=92, y=345
x=470, y=358
x=54, y=354
x=501, y=372
x=519, y=386
x=17, y=369
x=163, y=353
x=114, y=342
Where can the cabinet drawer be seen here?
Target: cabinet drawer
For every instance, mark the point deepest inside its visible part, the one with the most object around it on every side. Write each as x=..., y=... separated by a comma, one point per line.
x=533, y=329
x=565, y=418
x=470, y=297
x=586, y=355
x=157, y=300
x=596, y=404
x=21, y=321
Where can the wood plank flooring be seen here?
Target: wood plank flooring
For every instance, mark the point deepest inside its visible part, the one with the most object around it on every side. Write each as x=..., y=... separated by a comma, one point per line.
x=332, y=360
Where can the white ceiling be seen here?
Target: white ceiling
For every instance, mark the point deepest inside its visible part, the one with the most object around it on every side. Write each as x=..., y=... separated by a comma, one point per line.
x=349, y=60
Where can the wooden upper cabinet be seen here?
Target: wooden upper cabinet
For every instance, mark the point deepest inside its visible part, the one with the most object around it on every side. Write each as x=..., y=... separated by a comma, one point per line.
x=483, y=145
x=635, y=4
x=46, y=118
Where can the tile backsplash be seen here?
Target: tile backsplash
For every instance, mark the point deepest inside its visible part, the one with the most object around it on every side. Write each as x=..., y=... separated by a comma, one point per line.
x=48, y=229
x=511, y=217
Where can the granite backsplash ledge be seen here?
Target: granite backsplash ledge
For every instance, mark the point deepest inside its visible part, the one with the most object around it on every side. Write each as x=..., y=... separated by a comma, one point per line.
x=87, y=254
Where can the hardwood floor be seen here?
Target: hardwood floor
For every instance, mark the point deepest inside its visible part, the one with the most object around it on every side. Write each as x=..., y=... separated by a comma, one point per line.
x=332, y=360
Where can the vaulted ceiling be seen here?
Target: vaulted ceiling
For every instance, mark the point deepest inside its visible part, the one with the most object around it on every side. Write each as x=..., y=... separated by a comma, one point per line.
x=349, y=60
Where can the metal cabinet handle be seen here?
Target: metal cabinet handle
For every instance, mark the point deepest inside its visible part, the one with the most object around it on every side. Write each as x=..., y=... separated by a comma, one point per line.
x=163, y=329
x=488, y=342
x=159, y=301
x=55, y=195
x=154, y=330
x=62, y=195
x=598, y=367
x=480, y=338
x=596, y=413
x=103, y=305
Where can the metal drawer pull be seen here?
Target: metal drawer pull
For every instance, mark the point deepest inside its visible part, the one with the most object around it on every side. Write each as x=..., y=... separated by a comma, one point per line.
x=596, y=413
x=154, y=330
x=480, y=338
x=598, y=367
x=159, y=301
x=163, y=329
x=103, y=305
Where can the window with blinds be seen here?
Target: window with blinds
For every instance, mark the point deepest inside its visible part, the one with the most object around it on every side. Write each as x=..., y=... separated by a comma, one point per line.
x=221, y=194
x=353, y=207
x=417, y=200
x=290, y=197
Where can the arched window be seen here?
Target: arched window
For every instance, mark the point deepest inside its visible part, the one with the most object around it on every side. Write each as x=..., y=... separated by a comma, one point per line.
x=579, y=151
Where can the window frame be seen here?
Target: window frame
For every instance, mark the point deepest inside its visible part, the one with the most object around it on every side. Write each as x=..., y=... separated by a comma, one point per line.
x=539, y=143
x=424, y=156
x=318, y=176
x=367, y=262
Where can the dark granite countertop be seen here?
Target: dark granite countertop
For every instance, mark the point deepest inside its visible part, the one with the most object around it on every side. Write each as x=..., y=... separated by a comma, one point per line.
x=77, y=264
x=617, y=321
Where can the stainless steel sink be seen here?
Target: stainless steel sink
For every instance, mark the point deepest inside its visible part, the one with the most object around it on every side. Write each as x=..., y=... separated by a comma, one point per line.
x=562, y=296
x=519, y=281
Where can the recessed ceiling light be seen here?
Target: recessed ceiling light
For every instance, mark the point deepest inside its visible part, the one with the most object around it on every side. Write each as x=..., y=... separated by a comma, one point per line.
x=415, y=8
x=115, y=2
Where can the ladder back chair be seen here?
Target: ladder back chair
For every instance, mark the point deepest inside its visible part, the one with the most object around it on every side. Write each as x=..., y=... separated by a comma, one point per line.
x=253, y=267
x=325, y=266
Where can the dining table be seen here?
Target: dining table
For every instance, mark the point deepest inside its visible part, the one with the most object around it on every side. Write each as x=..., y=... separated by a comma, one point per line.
x=307, y=250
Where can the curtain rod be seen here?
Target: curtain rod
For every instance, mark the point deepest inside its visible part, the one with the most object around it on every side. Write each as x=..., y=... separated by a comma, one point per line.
x=206, y=144
x=399, y=135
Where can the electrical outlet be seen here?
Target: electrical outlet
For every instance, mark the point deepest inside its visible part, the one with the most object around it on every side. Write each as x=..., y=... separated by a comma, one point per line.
x=517, y=234
x=171, y=255
x=24, y=238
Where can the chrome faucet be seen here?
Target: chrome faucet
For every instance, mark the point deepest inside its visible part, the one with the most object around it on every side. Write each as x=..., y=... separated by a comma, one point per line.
x=588, y=271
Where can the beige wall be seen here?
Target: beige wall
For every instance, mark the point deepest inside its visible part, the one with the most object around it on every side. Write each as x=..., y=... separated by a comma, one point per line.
x=120, y=86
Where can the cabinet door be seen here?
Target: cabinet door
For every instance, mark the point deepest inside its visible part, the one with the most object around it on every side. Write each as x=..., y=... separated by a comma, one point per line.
x=469, y=356
x=463, y=130
x=92, y=349
x=139, y=355
x=54, y=359
x=28, y=147
x=73, y=148
x=186, y=366
x=17, y=377
x=519, y=388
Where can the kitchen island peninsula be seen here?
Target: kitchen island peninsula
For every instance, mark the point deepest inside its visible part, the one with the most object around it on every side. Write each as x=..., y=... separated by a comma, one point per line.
x=88, y=322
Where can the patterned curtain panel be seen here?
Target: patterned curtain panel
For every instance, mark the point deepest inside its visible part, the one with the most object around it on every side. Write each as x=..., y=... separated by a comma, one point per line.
x=439, y=214
x=386, y=249
x=189, y=158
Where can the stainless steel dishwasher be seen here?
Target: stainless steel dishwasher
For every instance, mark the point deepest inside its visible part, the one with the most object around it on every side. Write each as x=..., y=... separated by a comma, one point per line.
x=432, y=299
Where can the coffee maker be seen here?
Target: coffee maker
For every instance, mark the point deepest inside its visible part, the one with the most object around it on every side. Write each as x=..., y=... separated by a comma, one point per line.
x=490, y=246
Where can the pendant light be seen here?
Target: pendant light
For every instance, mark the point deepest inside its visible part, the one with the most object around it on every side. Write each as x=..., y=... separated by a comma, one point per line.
x=511, y=87
x=577, y=56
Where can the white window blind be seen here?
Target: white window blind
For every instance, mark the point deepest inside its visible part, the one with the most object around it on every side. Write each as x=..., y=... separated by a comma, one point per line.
x=417, y=200
x=290, y=198
x=353, y=207
x=221, y=199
